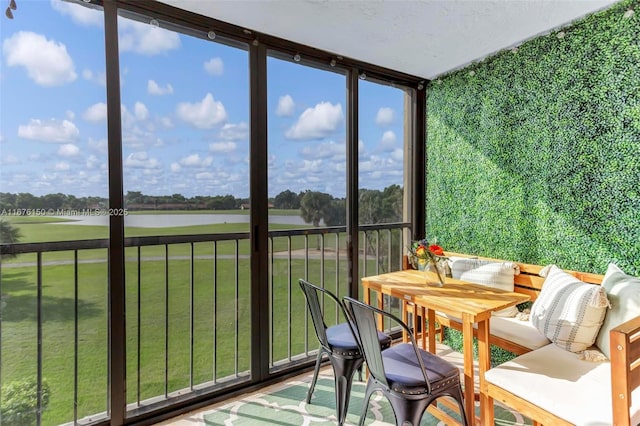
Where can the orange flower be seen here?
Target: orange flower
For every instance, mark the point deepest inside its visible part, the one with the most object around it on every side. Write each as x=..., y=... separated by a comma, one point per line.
x=436, y=249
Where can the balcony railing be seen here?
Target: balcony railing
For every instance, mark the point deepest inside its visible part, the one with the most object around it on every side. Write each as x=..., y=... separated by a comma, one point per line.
x=187, y=313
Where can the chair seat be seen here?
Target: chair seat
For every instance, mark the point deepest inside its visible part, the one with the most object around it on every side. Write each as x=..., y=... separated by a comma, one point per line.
x=403, y=370
x=341, y=339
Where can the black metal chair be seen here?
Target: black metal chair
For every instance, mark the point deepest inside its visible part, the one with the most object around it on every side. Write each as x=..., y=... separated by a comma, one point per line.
x=339, y=343
x=411, y=378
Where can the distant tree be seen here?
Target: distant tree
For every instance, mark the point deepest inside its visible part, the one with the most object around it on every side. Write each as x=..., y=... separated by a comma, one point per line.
x=286, y=200
x=7, y=200
x=54, y=201
x=336, y=214
x=9, y=234
x=315, y=207
x=25, y=200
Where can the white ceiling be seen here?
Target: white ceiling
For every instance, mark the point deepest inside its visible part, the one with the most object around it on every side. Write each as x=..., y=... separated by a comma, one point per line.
x=425, y=38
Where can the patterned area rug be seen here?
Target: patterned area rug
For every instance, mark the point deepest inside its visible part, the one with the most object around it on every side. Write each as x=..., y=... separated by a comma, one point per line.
x=284, y=404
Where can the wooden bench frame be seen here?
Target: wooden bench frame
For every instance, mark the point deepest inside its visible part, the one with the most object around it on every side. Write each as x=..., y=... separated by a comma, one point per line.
x=624, y=349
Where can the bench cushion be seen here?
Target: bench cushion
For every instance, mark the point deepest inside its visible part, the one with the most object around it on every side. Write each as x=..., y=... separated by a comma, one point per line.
x=488, y=273
x=623, y=292
x=568, y=311
x=560, y=383
x=522, y=333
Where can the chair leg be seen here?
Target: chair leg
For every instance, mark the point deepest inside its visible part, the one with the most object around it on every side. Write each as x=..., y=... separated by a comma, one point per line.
x=316, y=371
x=344, y=369
x=457, y=395
x=365, y=402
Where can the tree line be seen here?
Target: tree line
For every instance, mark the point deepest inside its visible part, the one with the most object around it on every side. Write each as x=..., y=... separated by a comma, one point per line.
x=315, y=207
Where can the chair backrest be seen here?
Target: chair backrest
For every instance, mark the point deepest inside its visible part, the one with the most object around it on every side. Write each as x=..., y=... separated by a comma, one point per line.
x=313, y=293
x=363, y=317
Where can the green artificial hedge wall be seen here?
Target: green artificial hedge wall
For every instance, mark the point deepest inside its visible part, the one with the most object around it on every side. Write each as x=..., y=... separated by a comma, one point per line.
x=534, y=154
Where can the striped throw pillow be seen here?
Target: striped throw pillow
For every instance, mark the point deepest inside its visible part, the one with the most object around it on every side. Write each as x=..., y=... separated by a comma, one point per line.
x=568, y=311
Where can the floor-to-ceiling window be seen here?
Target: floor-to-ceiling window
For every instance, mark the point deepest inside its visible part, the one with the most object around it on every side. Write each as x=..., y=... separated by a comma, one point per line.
x=306, y=185
x=53, y=187
x=185, y=148
x=383, y=184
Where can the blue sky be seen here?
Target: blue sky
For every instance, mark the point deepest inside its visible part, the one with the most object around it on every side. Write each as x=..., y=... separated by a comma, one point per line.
x=185, y=113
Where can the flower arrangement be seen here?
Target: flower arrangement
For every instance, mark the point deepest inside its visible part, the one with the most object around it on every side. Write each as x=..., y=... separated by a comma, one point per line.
x=421, y=254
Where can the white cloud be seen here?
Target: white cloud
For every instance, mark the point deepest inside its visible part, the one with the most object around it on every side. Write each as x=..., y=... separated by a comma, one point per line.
x=10, y=159
x=140, y=110
x=99, y=78
x=154, y=88
x=234, y=132
x=126, y=117
x=80, y=15
x=175, y=167
x=62, y=166
x=68, y=150
x=204, y=115
x=92, y=162
x=384, y=117
x=70, y=115
x=49, y=131
x=204, y=176
x=98, y=145
x=398, y=155
x=214, y=66
x=166, y=122
x=223, y=147
x=325, y=150
x=285, y=107
x=388, y=140
x=317, y=122
x=194, y=160
x=46, y=61
x=140, y=160
x=145, y=39
x=96, y=113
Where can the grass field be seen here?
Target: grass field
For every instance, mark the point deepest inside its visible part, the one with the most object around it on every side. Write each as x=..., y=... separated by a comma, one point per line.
x=160, y=310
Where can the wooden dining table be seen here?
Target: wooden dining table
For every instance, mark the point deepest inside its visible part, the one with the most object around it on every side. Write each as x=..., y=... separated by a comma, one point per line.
x=471, y=303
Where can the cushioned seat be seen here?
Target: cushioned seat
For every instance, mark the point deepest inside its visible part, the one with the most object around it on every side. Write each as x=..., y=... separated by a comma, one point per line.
x=547, y=376
x=404, y=373
x=514, y=330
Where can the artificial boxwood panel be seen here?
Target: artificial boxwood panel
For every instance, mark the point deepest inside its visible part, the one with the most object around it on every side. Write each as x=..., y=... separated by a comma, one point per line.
x=534, y=154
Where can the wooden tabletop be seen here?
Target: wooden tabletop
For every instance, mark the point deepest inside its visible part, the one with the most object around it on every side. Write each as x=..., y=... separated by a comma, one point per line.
x=455, y=298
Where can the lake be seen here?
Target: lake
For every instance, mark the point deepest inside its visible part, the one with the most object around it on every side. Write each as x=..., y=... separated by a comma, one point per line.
x=172, y=220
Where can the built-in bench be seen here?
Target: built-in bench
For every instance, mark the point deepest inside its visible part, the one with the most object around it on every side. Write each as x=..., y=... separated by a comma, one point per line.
x=554, y=386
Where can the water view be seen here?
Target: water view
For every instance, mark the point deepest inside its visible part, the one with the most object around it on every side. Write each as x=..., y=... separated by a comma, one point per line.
x=172, y=220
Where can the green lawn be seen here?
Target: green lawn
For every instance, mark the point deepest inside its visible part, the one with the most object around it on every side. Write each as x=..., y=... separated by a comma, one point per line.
x=217, y=306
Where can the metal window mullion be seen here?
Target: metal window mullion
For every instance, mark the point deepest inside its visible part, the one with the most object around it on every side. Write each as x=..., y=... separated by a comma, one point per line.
x=338, y=319
x=272, y=304
x=39, y=340
x=289, y=298
x=75, y=336
x=215, y=311
x=236, y=310
x=192, y=314
x=138, y=343
x=166, y=320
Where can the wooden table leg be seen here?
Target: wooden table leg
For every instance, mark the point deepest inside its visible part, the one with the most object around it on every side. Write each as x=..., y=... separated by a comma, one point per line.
x=484, y=363
x=467, y=354
x=431, y=320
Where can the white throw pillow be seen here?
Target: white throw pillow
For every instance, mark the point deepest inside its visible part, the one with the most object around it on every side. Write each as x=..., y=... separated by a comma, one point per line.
x=623, y=292
x=485, y=272
x=568, y=311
